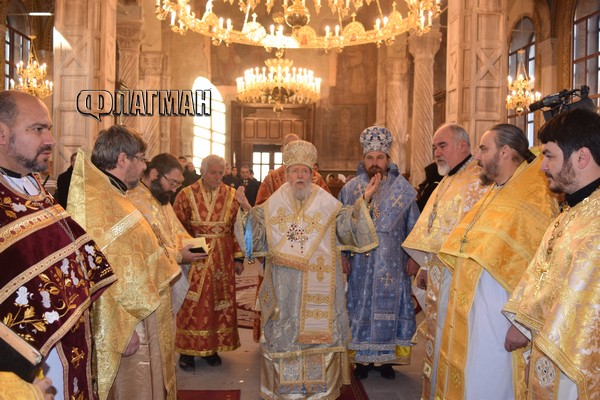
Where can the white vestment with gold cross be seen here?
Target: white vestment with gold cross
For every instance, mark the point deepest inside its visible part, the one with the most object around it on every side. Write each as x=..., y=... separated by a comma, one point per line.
x=302, y=299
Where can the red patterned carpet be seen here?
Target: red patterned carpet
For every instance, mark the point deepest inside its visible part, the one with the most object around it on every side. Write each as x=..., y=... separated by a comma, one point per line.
x=208, y=395
x=353, y=391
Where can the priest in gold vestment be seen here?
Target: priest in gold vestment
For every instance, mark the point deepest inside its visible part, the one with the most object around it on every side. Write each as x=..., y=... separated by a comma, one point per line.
x=160, y=180
x=132, y=321
x=556, y=302
x=207, y=320
x=487, y=254
x=301, y=230
x=454, y=196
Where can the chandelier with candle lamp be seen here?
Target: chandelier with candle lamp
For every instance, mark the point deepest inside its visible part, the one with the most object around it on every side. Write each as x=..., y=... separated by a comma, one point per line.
x=521, y=89
x=31, y=77
x=278, y=83
x=292, y=18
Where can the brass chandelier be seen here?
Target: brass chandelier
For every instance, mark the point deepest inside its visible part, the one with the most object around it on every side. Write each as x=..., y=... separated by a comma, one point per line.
x=295, y=14
x=521, y=89
x=32, y=77
x=278, y=83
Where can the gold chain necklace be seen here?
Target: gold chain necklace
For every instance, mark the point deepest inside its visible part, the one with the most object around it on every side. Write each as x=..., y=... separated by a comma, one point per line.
x=478, y=214
x=545, y=266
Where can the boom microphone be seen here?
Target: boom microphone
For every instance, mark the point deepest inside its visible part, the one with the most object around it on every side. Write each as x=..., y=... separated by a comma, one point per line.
x=552, y=100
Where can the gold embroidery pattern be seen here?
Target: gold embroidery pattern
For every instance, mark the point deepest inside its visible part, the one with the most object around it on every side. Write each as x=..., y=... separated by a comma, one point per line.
x=317, y=299
x=54, y=290
x=545, y=372
x=320, y=268
x=463, y=298
x=36, y=269
x=76, y=357
x=280, y=219
x=119, y=228
x=26, y=225
x=317, y=314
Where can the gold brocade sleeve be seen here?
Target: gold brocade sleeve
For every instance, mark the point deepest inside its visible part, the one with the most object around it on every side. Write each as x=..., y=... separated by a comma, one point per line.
x=14, y=388
x=137, y=259
x=503, y=230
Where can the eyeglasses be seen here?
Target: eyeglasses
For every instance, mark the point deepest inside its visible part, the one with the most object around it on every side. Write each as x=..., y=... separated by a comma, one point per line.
x=141, y=158
x=174, y=183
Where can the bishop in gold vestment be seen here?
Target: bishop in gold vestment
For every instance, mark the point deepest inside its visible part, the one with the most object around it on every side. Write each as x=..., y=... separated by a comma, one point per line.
x=450, y=201
x=139, y=300
x=487, y=253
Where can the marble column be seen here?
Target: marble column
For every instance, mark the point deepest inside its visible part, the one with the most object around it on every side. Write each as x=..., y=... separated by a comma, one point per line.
x=84, y=59
x=423, y=49
x=476, y=65
x=397, y=103
x=129, y=39
x=150, y=79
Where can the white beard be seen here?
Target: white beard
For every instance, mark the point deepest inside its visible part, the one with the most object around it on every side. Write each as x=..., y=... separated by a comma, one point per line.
x=443, y=169
x=302, y=194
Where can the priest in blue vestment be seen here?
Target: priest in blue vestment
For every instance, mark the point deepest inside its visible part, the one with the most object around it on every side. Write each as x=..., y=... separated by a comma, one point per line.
x=379, y=296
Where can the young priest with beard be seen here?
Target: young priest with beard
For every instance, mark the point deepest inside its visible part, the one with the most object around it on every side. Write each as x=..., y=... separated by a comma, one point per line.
x=159, y=182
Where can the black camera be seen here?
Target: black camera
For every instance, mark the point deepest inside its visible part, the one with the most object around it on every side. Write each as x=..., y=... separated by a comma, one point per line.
x=562, y=101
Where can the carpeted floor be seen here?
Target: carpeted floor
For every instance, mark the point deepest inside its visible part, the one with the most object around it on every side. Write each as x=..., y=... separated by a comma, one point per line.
x=353, y=391
x=208, y=395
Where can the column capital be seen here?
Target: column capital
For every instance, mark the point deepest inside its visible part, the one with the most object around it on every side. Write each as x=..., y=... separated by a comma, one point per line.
x=397, y=68
x=151, y=63
x=426, y=45
x=129, y=35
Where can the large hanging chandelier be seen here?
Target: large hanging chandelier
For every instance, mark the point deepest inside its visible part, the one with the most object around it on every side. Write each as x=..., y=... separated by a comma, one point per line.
x=278, y=83
x=295, y=15
x=521, y=89
x=32, y=77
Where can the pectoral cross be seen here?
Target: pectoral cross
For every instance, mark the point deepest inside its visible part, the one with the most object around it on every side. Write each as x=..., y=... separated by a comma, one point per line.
x=543, y=270
x=463, y=242
x=387, y=279
x=431, y=219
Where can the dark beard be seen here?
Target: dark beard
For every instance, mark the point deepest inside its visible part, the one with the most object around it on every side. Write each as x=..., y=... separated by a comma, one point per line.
x=371, y=172
x=487, y=177
x=30, y=164
x=159, y=194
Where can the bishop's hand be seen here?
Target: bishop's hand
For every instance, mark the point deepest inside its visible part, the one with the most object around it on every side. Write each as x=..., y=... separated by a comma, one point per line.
x=240, y=196
x=372, y=187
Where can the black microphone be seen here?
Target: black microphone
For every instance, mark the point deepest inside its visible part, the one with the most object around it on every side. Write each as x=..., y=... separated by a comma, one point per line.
x=551, y=100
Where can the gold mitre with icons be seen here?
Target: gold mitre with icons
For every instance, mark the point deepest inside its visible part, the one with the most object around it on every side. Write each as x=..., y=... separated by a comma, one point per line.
x=299, y=152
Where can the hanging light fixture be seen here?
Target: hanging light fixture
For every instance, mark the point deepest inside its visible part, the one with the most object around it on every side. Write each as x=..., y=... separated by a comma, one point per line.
x=296, y=15
x=521, y=89
x=278, y=83
x=32, y=77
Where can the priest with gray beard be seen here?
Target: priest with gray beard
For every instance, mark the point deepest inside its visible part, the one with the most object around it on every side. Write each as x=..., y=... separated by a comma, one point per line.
x=301, y=230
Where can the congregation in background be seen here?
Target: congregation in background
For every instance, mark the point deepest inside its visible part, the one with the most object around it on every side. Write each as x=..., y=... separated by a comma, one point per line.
x=129, y=271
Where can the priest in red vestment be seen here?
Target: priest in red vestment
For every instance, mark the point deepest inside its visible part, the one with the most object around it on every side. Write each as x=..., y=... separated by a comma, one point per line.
x=207, y=320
